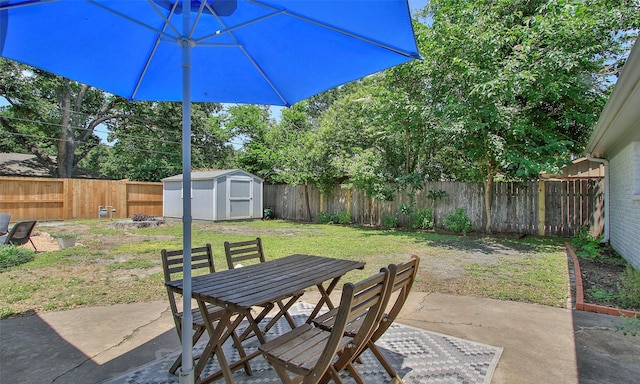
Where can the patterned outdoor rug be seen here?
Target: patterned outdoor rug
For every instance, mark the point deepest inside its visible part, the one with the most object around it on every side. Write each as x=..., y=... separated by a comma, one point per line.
x=418, y=356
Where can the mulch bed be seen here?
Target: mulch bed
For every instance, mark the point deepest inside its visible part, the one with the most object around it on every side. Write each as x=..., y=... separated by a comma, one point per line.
x=601, y=280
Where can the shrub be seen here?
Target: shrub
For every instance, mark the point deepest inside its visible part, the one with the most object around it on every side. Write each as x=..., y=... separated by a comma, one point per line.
x=422, y=218
x=11, y=255
x=343, y=217
x=631, y=326
x=630, y=287
x=590, y=251
x=389, y=221
x=324, y=218
x=458, y=221
x=585, y=245
x=581, y=237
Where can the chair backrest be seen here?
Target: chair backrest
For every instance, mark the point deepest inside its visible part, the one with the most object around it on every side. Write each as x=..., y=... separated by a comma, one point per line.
x=402, y=276
x=20, y=232
x=5, y=218
x=173, y=266
x=244, y=251
x=365, y=296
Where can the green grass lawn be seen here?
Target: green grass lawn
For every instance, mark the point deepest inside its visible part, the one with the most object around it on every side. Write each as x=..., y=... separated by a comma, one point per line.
x=123, y=265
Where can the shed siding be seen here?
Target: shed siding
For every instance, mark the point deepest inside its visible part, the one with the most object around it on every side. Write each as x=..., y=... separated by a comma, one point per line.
x=257, y=198
x=202, y=202
x=210, y=198
x=624, y=205
x=172, y=200
x=221, y=198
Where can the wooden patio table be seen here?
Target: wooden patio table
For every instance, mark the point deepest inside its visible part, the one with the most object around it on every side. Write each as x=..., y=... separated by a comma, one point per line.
x=238, y=290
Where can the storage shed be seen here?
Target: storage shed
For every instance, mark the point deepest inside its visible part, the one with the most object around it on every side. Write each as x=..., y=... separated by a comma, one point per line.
x=215, y=195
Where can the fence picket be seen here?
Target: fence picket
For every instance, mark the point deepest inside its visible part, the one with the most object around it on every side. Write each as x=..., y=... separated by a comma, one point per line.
x=568, y=205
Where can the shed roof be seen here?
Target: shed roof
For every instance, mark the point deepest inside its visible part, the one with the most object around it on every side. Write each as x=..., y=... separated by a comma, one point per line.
x=581, y=168
x=209, y=175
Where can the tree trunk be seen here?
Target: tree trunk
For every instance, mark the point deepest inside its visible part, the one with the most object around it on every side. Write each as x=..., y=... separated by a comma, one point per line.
x=488, y=199
x=65, y=139
x=308, y=202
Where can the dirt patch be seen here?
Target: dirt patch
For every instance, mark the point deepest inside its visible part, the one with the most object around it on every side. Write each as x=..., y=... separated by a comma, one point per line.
x=43, y=242
x=602, y=280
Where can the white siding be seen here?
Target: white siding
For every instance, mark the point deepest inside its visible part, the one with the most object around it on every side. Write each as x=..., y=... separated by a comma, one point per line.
x=624, y=203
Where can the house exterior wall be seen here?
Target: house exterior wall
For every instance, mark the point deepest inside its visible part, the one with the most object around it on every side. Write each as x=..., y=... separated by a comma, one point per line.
x=624, y=203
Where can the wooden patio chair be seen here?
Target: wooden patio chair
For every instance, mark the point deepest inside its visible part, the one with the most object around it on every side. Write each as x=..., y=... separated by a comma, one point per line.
x=5, y=218
x=250, y=252
x=20, y=234
x=308, y=352
x=402, y=277
x=173, y=266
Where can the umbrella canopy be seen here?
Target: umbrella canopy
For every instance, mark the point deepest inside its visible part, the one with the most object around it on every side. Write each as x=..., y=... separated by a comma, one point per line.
x=257, y=52
x=233, y=51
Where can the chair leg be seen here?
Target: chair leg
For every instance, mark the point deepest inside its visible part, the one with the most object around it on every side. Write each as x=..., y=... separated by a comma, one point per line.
x=383, y=361
x=355, y=374
x=178, y=363
x=283, y=312
x=241, y=352
x=247, y=333
x=34, y=246
x=282, y=373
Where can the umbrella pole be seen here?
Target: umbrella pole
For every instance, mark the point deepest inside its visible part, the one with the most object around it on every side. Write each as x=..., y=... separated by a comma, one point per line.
x=186, y=372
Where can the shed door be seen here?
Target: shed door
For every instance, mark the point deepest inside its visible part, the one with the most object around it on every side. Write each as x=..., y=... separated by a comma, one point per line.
x=240, y=198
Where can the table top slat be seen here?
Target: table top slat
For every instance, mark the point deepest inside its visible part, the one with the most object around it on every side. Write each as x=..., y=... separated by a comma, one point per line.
x=266, y=282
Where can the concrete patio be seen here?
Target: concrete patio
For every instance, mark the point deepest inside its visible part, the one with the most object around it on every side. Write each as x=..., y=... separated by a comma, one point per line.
x=541, y=344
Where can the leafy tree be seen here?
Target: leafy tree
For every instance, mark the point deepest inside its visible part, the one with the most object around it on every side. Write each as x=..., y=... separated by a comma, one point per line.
x=517, y=85
x=51, y=117
x=149, y=148
x=250, y=124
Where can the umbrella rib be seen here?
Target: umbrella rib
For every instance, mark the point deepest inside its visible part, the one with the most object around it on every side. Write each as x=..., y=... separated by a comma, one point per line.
x=24, y=4
x=399, y=51
x=134, y=21
x=195, y=23
x=264, y=76
x=244, y=51
x=235, y=27
x=165, y=18
x=146, y=65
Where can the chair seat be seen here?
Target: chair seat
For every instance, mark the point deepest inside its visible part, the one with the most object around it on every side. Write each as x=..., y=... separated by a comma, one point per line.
x=215, y=313
x=300, y=349
x=326, y=321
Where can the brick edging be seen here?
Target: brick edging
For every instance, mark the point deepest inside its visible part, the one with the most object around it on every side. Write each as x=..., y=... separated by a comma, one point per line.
x=580, y=304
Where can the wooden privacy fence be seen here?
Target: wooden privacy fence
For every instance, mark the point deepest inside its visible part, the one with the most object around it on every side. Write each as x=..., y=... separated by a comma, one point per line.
x=27, y=198
x=554, y=208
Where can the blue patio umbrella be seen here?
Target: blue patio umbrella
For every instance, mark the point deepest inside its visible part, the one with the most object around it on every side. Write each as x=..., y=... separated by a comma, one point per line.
x=273, y=52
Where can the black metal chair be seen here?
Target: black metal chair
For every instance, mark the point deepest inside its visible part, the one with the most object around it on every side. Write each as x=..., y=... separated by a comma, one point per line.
x=20, y=233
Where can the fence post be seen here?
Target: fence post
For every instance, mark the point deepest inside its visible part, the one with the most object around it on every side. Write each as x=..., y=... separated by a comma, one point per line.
x=321, y=202
x=122, y=199
x=541, y=208
x=67, y=193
